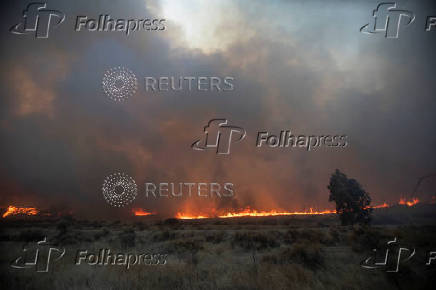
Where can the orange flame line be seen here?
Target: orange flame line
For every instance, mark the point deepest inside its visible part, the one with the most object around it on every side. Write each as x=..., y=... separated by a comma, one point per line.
x=412, y=202
x=141, y=212
x=13, y=210
x=248, y=212
x=383, y=205
x=254, y=213
x=182, y=216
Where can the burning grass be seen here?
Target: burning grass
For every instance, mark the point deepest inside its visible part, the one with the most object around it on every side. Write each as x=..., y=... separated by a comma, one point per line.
x=249, y=212
x=14, y=210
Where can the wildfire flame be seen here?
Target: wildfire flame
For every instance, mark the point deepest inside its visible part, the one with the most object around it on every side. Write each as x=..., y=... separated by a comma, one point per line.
x=383, y=205
x=253, y=213
x=183, y=216
x=412, y=202
x=248, y=212
x=141, y=212
x=13, y=210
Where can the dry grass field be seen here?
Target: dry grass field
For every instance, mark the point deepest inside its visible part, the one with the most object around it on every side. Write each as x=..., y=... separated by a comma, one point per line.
x=304, y=252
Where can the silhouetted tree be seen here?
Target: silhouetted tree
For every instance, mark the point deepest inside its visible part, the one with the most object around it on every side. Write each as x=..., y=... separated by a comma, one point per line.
x=352, y=202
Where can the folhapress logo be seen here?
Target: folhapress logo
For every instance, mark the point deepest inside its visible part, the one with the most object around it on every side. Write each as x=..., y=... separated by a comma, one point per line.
x=387, y=19
x=219, y=136
x=41, y=257
x=38, y=20
x=43, y=249
x=391, y=262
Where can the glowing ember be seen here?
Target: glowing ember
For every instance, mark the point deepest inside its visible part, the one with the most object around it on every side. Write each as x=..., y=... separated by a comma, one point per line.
x=412, y=202
x=13, y=210
x=141, y=212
